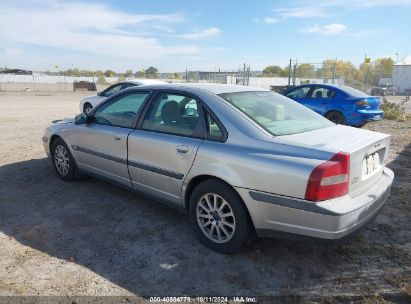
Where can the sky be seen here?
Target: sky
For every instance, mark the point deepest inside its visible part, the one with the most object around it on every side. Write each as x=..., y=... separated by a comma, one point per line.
x=174, y=35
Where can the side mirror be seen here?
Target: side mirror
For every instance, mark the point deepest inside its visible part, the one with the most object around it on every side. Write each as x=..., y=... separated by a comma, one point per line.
x=100, y=94
x=81, y=119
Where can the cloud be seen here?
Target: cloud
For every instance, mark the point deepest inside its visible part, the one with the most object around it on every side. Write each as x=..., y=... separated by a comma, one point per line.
x=207, y=33
x=300, y=12
x=355, y=4
x=89, y=27
x=326, y=8
x=268, y=20
x=327, y=30
x=283, y=14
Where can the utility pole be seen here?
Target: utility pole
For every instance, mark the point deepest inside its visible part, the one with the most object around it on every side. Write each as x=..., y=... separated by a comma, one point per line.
x=335, y=66
x=295, y=70
x=368, y=74
x=244, y=75
x=289, y=73
x=366, y=71
x=186, y=75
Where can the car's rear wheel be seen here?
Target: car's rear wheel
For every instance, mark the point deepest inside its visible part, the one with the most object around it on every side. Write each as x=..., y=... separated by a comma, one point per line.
x=87, y=108
x=219, y=217
x=63, y=161
x=336, y=117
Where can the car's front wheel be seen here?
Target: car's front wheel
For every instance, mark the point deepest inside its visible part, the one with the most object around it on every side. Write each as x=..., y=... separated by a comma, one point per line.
x=63, y=161
x=87, y=108
x=219, y=218
x=336, y=117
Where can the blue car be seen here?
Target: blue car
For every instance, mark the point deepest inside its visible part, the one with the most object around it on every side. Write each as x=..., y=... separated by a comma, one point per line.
x=340, y=104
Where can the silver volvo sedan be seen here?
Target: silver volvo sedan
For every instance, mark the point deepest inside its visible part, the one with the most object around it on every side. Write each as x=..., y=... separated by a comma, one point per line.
x=241, y=161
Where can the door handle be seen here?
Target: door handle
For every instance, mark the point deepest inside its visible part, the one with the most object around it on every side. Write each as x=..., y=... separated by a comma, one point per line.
x=183, y=149
x=117, y=138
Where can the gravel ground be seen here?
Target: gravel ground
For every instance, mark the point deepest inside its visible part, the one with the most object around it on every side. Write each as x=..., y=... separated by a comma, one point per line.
x=89, y=238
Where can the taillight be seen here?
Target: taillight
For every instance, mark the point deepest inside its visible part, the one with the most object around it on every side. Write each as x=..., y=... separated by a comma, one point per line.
x=363, y=103
x=329, y=179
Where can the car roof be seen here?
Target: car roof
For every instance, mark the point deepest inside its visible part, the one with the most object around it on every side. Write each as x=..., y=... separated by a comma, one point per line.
x=330, y=85
x=338, y=86
x=342, y=88
x=144, y=81
x=215, y=88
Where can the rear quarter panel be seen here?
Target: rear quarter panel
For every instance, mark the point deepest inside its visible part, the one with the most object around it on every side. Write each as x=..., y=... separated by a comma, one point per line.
x=274, y=168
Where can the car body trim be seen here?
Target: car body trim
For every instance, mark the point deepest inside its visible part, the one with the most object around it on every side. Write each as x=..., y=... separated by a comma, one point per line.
x=290, y=203
x=157, y=170
x=102, y=155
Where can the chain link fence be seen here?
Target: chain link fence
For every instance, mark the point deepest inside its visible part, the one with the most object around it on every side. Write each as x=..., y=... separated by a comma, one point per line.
x=11, y=82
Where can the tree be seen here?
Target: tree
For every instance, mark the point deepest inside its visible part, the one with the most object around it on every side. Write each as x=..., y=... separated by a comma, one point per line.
x=98, y=73
x=151, y=72
x=86, y=73
x=305, y=70
x=139, y=74
x=285, y=72
x=380, y=67
x=128, y=73
x=273, y=70
x=71, y=72
x=342, y=69
x=109, y=73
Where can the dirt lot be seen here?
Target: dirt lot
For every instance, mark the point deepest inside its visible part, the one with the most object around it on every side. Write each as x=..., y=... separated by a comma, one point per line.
x=91, y=238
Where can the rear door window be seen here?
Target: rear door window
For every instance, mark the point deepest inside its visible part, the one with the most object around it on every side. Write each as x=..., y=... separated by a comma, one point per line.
x=322, y=93
x=172, y=113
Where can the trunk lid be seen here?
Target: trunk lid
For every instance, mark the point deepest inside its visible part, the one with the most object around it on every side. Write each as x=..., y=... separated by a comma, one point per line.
x=368, y=150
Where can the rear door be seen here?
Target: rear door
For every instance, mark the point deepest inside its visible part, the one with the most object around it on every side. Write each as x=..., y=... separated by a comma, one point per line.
x=102, y=143
x=163, y=147
x=319, y=99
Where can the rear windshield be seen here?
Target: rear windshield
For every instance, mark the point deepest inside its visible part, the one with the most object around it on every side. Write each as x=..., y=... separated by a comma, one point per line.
x=275, y=113
x=353, y=92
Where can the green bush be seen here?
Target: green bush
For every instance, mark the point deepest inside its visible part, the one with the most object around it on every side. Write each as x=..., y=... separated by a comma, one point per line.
x=394, y=111
x=101, y=80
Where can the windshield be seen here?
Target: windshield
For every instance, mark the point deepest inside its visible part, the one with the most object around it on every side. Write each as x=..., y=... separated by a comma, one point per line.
x=353, y=92
x=277, y=114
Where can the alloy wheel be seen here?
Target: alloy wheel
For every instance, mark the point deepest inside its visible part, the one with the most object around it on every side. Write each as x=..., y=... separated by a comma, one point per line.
x=61, y=160
x=215, y=218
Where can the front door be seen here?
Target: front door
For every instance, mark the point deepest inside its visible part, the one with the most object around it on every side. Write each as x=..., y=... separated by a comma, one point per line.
x=102, y=143
x=162, y=151
x=299, y=94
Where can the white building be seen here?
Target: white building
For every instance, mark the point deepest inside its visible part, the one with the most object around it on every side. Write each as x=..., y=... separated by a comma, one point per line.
x=401, y=76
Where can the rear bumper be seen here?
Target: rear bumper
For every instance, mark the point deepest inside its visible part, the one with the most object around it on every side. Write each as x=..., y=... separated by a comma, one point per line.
x=371, y=115
x=333, y=219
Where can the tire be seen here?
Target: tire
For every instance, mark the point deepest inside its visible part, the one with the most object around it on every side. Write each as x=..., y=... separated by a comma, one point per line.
x=87, y=108
x=232, y=227
x=336, y=117
x=63, y=162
